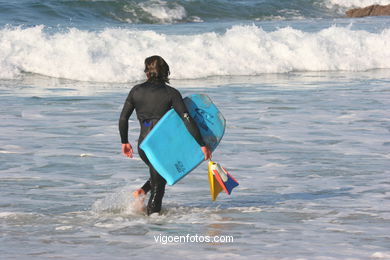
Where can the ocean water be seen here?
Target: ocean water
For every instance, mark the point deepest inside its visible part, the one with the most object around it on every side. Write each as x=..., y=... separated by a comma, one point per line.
x=305, y=92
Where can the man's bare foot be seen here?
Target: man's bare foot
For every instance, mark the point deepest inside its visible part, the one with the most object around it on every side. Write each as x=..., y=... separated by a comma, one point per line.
x=138, y=203
x=138, y=193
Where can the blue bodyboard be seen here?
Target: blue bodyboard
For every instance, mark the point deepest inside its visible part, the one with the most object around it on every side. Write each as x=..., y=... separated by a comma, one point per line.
x=170, y=147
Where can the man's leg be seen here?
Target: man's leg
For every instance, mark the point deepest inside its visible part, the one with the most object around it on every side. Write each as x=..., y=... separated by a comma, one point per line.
x=157, y=184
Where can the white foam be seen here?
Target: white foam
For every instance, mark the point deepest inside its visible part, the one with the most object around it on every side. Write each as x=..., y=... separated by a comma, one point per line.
x=7, y=214
x=86, y=155
x=381, y=255
x=5, y=152
x=16, y=214
x=117, y=55
x=10, y=149
x=273, y=165
x=164, y=12
x=120, y=202
x=64, y=228
x=355, y=3
x=247, y=209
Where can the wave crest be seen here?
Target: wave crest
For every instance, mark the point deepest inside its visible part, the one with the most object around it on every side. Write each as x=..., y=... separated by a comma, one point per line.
x=117, y=55
x=354, y=3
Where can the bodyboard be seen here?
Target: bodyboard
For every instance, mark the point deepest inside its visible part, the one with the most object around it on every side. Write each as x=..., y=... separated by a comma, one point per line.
x=170, y=147
x=207, y=117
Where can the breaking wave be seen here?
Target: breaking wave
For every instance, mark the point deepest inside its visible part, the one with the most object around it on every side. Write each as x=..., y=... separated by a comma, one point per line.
x=117, y=55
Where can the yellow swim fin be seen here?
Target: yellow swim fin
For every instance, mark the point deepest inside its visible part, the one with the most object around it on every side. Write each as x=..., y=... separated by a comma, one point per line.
x=215, y=187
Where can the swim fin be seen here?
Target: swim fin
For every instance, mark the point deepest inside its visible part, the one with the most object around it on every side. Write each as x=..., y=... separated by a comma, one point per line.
x=219, y=180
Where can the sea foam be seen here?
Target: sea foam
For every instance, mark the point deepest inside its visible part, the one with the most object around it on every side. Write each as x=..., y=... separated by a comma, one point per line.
x=117, y=55
x=164, y=13
x=355, y=3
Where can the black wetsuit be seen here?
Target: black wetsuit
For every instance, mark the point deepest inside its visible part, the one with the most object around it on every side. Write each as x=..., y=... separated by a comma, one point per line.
x=151, y=100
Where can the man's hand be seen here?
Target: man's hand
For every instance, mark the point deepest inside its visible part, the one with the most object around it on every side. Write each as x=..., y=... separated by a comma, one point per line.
x=127, y=150
x=207, y=153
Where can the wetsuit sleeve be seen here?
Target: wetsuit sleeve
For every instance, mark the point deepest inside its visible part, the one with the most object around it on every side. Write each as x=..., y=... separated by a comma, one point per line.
x=180, y=108
x=127, y=110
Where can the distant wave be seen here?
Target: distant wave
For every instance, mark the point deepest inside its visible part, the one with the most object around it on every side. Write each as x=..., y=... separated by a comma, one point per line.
x=117, y=55
x=355, y=3
x=81, y=12
x=341, y=6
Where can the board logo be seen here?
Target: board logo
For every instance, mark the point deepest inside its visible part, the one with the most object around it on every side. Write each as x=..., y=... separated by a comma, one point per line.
x=180, y=167
x=201, y=117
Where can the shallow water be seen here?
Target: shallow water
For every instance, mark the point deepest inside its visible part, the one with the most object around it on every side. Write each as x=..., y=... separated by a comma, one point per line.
x=310, y=151
x=305, y=92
